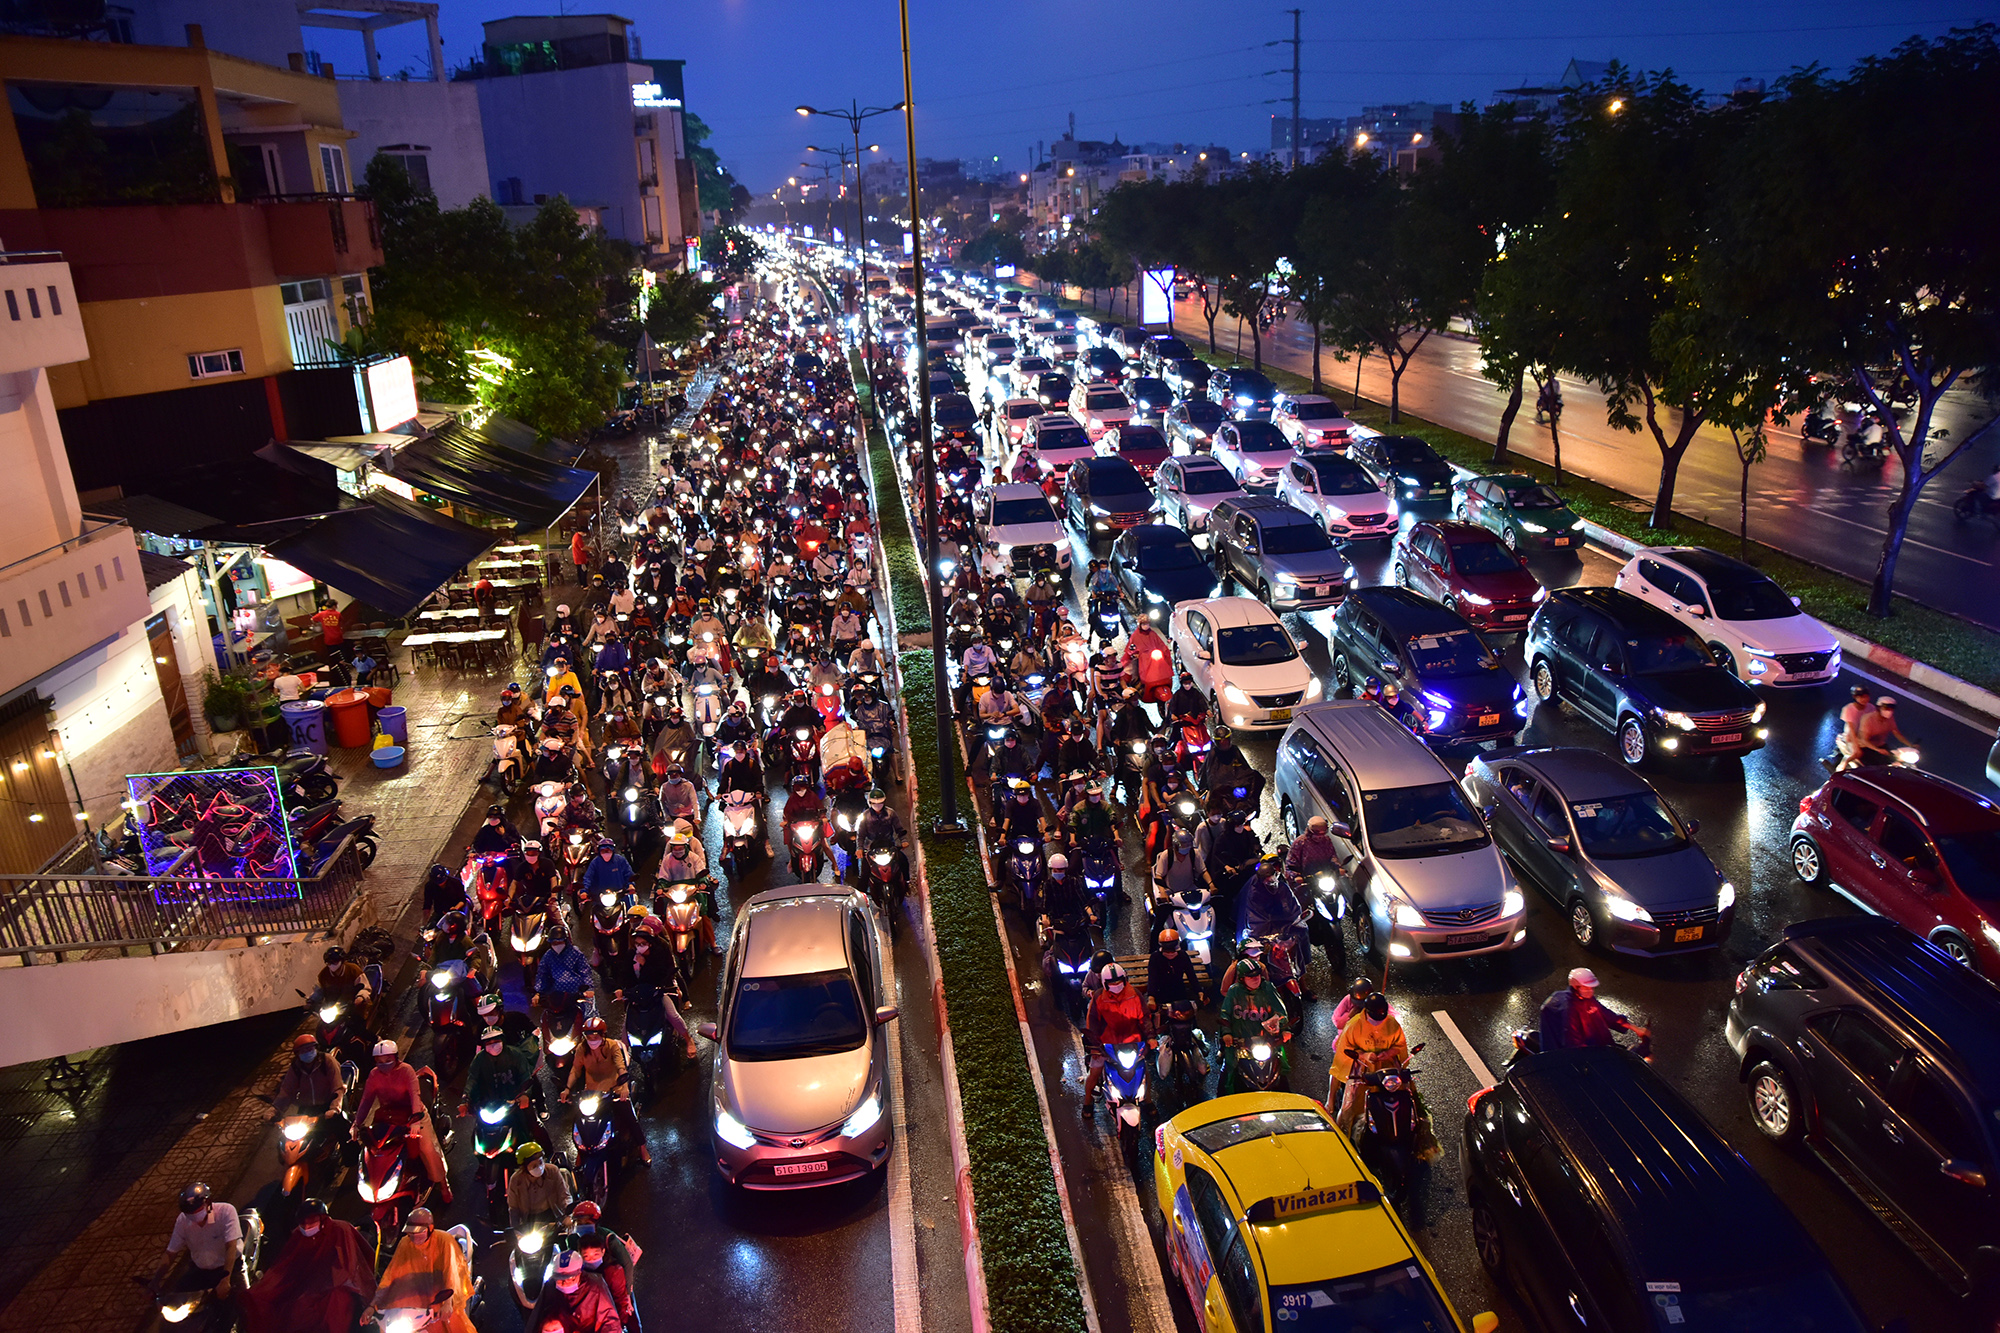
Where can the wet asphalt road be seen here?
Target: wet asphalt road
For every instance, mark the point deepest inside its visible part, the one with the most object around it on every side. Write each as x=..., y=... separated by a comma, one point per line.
x=1745, y=809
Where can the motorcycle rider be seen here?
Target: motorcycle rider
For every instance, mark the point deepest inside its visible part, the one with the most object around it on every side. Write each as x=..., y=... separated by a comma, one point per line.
x=866, y=660
x=676, y=738
x=605, y=1255
x=1148, y=663
x=1118, y=1014
x=1170, y=973
x=562, y=977
x=1372, y=1040
x=1880, y=737
x=608, y=869
x=1092, y=822
x=575, y=1302
x=501, y=1072
x=536, y=1191
x=455, y=949
x=427, y=1263
x=650, y=967
x=494, y=834
x=1859, y=706
x=1187, y=703
x=1575, y=1017
x=1065, y=904
x=1312, y=854
x=320, y=1280
x=210, y=1235
x=877, y=720
x=392, y=1092
x=1250, y=1009
x=680, y=798
x=341, y=981
x=531, y=878
x=686, y=862
x=1223, y=752
x=444, y=892
x=1269, y=906
x=311, y=1085
x=603, y=1065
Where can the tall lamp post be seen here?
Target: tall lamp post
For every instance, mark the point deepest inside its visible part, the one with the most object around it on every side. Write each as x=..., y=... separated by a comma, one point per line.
x=847, y=155
x=853, y=116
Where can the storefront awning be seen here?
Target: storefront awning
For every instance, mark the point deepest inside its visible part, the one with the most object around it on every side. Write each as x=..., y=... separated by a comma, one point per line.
x=248, y=500
x=511, y=434
x=462, y=466
x=391, y=553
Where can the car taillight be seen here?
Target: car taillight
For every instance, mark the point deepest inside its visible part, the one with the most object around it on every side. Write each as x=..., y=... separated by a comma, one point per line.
x=1472, y=1102
x=1806, y=802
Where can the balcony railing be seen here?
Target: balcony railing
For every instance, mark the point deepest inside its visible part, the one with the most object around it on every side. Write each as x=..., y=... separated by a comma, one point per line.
x=65, y=914
x=62, y=599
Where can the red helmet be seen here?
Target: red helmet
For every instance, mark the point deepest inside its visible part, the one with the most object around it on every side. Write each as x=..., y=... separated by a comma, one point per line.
x=594, y=1026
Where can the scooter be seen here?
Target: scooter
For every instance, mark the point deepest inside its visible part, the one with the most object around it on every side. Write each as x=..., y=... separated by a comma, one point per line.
x=527, y=928
x=1182, y=1061
x=1975, y=503
x=1387, y=1134
x=805, y=841
x=481, y=878
x=1097, y=862
x=1107, y=615
x=595, y=1137
x=679, y=906
x=1066, y=958
x=390, y=1181
x=1193, y=746
x=1022, y=870
x=531, y=1258
x=1194, y=918
x=1125, y=1093
x=447, y=1011
x=1259, y=1063
x=198, y=1310
x=645, y=1033
x=885, y=880
x=497, y=1131
x=801, y=753
x=742, y=831
x=843, y=823
x=562, y=1029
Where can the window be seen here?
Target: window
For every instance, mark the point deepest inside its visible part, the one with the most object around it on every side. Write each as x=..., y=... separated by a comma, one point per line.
x=1519, y=786
x=1852, y=807
x=1301, y=474
x=1905, y=842
x=299, y=293
x=1238, y=1274
x=864, y=964
x=1781, y=969
x=417, y=166
x=1549, y=814
x=1198, y=626
x=333, y=167
x=1861, y=1042
x=1211, y=1210
x=1326, y=780
x=1246, y=532
x=1926, y=1102
x=1576, y=634
x=142, y=145
x=203, y=365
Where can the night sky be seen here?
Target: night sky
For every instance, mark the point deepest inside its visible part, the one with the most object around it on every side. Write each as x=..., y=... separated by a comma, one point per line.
x=994, y=78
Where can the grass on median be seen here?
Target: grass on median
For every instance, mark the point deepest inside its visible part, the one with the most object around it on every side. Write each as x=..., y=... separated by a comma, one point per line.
x=899, y=550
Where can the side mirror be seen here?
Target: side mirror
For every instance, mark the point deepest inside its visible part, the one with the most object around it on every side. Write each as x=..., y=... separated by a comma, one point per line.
x=1925, y=877
x=1693, y=826
x=1797, y=602
x=1202, y=654
x=1697, y=610
x=1340, y=828
x=1391, y=667
x=1965, y=1173
x=1487, y=811
x=1609, y=668
x=1559, y=843
x=887, y=1013
x=708, y=1030
x=1485, y=1322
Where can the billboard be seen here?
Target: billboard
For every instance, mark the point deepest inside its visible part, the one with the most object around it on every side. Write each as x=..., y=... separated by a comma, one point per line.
x=392, y=393
x=1156, y=297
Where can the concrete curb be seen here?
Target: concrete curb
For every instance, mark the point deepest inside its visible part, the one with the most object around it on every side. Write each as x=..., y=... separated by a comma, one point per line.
x=1852, y=646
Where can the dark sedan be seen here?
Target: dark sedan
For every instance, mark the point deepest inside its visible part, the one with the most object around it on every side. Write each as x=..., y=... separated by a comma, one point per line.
x=1158, y=567
x=1187, y=378
x=1246, y=395
x=1150, y=398
x=1404, y=466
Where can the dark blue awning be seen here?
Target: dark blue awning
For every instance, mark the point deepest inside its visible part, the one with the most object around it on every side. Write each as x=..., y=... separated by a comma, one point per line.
x=465, y=467
x=392, y=553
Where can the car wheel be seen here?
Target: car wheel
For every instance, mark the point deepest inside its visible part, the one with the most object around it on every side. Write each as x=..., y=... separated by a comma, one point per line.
x=1807, y=863
x=1401, y=575
x=1486, y=1239
x=1263, y=592
x=1632, y=742
x=1545, y=682
x=1954, y=944
x=1450, y=602
x=1342, y=680
x=1364, y=930
x=1511, y=538
x=1583, y=923
x=1774, y=1107
x=1725, y=659
x=1290, y=819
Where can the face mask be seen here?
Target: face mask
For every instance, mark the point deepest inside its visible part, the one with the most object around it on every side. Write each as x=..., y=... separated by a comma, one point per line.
x=596, y=1263
x=494, y=1049
x=568, y=1285
x=307, y=1057
x=309, y=1230
x=596, y=1042
x=1115, y=987
x=536, y=1167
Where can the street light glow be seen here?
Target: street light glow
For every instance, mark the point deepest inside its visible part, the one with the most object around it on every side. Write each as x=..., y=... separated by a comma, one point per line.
x=1361, y=140
x=805, y=110
x=1617, y=105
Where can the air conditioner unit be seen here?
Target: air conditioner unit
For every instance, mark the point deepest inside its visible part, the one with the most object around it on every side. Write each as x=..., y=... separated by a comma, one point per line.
x=206, y=365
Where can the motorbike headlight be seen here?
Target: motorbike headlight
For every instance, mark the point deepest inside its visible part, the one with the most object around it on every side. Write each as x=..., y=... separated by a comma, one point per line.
x=576, y=839
x=806, y=833
x=561, y=1045
x=864, y=1117
x=588, y=1103
x=493, y=1115
x=441, y=978
x=1260, y=1050
x=329, y=1012
x=1725, y=897
x=608, y=898
x=631, y=793
x=883, y=858
x=1408, y=917
x=402, y=1323
x=1235, y=696
x=531, y=1241
x=296, y=1130
x=733, y=1131
x=1626, y=910
x=174, y=1314
x=1127, y=1057
x=1513, y=902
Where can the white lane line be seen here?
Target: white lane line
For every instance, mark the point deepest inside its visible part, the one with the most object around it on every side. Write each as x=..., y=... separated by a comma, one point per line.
x=1464, y=1049
x=905, y=1282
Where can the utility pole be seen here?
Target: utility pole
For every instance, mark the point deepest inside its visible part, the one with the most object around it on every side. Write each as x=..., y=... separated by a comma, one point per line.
x=1296, y=146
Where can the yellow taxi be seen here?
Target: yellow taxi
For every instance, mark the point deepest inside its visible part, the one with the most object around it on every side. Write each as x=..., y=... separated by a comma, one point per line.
x=1274, y=1226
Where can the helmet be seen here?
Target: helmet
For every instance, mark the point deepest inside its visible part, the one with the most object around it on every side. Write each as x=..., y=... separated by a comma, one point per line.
x=594, y=1026
x=562, y=608
x=1376, y=1006
x=637, y=910
x=305, y=1041
x=491, y=1035
x=1170, y=936
x=1361, y=988
x=1269, y=861
x=1112, y=972
x=527, y=1152
x=334, y=955
x=1247, y=968
x=1058, y=863
x=438, y=874
x=195, y=1197
x=586, y=1211
x=606, y=845
x=454, y=922
x=800, y=782
x=531, y=845
x=652, y=925
x=382, y=1048
x=1222, y=731
x=877, y=797
x=558, y=932
x=309, y=1208
x=495, y=812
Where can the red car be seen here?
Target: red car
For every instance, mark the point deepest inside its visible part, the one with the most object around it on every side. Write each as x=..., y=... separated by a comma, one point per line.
x=1144, y=447
x=1912, y=847
x=1469, y=570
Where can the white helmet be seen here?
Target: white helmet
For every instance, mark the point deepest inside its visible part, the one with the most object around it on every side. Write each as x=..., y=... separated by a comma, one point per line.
x=384, y=1047
x=1058, y=862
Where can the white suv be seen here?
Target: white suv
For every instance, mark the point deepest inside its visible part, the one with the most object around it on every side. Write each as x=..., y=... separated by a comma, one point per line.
x=1748, y=622
x=1340, y=494
x=1099, y=407
x=1243, y=658
x=1017, y=514
x=1311, y=421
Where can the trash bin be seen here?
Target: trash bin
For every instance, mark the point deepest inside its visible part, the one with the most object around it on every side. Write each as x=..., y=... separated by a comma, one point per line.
x=395, y=725
x=348, y=711
x=307, y=719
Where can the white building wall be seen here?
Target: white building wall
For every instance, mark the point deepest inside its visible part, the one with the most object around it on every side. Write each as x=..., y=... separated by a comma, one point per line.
x=568, y=132
x=442, y=118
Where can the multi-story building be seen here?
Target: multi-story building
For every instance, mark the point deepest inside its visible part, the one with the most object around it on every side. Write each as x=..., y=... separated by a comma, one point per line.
x=569, y=108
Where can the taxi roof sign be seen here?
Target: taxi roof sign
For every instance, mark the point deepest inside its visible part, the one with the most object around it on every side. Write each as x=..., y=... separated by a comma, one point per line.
x=1281, y=1208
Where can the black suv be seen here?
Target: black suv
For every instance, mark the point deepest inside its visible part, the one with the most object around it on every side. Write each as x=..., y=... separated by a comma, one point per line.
x=1404, y=466
x=1876, y=1048
x=1246, y=395
x=1641, y=674
x=1451, y=678
x=1104, y=497
x=1611, y=1205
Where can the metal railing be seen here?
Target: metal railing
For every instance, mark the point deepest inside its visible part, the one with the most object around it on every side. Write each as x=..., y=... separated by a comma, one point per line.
x=90, y=533
x=59, y=914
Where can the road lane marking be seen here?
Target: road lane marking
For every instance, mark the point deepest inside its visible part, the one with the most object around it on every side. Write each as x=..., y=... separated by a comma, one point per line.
x=1464, y=1049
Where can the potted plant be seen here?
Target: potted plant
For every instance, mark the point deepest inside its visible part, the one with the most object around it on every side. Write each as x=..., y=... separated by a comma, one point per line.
x=224, y=699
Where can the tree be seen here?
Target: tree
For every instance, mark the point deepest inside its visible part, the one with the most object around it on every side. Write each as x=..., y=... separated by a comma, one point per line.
x=715, y=187
x=1259, y=217
x=678, y=308
x=1884, y=272
x=995, y=245
x=731, y=253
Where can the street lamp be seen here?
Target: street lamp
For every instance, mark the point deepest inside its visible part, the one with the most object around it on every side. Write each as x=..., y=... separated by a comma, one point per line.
x=854, y=115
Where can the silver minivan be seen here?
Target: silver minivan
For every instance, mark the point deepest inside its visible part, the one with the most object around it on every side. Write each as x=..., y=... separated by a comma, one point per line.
x=1420, y=873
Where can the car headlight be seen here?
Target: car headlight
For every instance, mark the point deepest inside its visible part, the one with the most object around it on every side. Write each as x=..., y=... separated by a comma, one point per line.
x=1475, y=599
x=1675, y=718
x=864, y=1117
x=1527, y=526
x=1627, y=910
x=1513, y=903
x=1235, y=696
x=1312, y=688
x=733, y=1131
x=1408, y=917
x=1725, y=897
x=1757, y=713
x=1541, y=595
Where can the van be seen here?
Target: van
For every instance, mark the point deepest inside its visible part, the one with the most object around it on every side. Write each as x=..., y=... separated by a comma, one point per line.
x=1420, y=875
x=1610, y=1206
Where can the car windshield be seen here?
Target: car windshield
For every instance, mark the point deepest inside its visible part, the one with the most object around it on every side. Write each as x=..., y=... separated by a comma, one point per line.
x=1636, y=824
x=1408, y=453
x=1396, y=1299
x=1108, y=401
x=999, y=343
x=1053, y=386
x=1750, y=599
x=789, y=1018
x=1657, y=655
x=1421, y=821
x=1030, y=509
x=1454, y=653
x=1261, y=437
x=1807, y=1302
x=1484, y=558
x=1254, y=645
x=1207, y=481
x=1534, y=497
x=1163, y=556
x=1315, y=411
x=1295, y=539
x=1213, y=1137
x=1973, y=858
x=1023, y=411
x=1201, y=412
x=1064, y=437
x=1151, y=390
x=1337, y=476
x=1170, y=349
x=1247, y=382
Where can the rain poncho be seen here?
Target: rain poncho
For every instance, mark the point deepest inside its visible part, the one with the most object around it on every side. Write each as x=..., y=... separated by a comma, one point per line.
x=419, y=1271
x=318, y=1284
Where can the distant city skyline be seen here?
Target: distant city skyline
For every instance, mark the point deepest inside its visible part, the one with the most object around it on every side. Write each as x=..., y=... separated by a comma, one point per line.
x=993, y=82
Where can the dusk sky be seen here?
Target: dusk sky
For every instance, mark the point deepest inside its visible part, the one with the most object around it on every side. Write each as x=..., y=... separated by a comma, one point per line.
x=992, y=79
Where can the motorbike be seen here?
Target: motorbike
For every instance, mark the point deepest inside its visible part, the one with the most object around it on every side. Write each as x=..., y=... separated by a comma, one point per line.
x=481, y=877
x=623, y=770
x=610, y=927
x=1192, y=746
x=884, y=879
x=1097, y=862
x=448, y=1013
x=527, y=932
x=646, y=1033
x=309, y=1159
x=1022, y=871
x=314, y=823
x=806, y=842
x=1388, y=1132
x=391, y=1181
x=361, y=829
x=531, y=1258
x=497, y=1130
x=679, y=906
x=827, y=700
x=1182, y=1060
x=1975, y=503
x=549, y=808
x=1259, y=1063
x=843, y=823
x=1107, y=615
x=1194, y=918
x=1125, y=1093
x=561, y=1030
x=1860, y=447
x=595, y=1138
x=1328, y=909
x=1816, y=429
x=742, y=831
x=198, y=1310
x=1067, y=955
